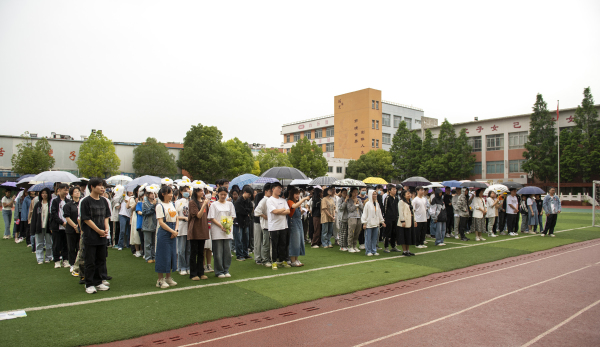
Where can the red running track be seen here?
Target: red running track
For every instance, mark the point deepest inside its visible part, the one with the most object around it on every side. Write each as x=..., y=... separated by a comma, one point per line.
x=548, y=298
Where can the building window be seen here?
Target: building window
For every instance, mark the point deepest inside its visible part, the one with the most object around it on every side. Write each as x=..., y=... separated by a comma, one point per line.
x=517, y=140
x=386, y=139
x=330, y=169
x=339, y=169
x=516, y=165
x=372, y=124
x=329, y=132
x=307, y=134
x=376, y=143
x=287, y=138
x=377, y=105
x=329, y=147
x=288, y=150
x=296, y=137
x=475, y=142
x=385, y=120
x=495, y=142
x=373, y=104
x=408, y=122
x=318, y=133
x=377, y=124
x=397, y=120
x=372, y=143
x=476, y=169
x=494, y=167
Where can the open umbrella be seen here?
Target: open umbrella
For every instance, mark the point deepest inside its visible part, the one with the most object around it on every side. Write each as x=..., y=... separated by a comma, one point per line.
x=531, y=190
x=242, y=180
x=511, y=185
x=54, y=176
x=434, y=185
x=259, y=183
x=348, y=182
x=298, y=182
x=23, y=181
x=119, y=180
x=284, y=172
x=38, y=187
x=141, y=180
x=474, y=184
x=9, y=185
x=451, y=184
x=498, y=188
x=374, y=180
x=323, y=181
x=416, y=181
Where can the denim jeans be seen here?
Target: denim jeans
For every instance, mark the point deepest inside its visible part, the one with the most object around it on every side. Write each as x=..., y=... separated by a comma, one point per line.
x=240, y=237
x=326, y=233
x=432, y=228
x=440, y=231
x=540, y=222
x=149, y=245
x=371, y=236
x=524, y=223
x=183, y=253
x=222, y=256
x=7, y=215
x=124, y=233
x=41, y=239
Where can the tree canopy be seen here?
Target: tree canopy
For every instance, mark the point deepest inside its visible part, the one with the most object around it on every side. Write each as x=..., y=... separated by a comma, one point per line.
x=375, y=163
x=203, y=155
x=97, y=157
x=239, y=157
x=587, y=132
x=307, y=157
x=32, y=158
x=271, y=157
x=405, y=151
x=153, y=158
x=540, y=157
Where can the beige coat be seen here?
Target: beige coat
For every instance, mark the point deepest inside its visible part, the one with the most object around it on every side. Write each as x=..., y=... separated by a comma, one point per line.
x=404, y=214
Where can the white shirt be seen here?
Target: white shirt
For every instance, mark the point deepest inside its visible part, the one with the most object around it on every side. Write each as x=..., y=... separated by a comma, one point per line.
x=420, y=209
x=370, y=216
x=512, y=200
x=6, y=200
x=260, y=210
x=491, y=212
x=277, y=221
x=124, y=210
x=218, y=210
x=163, y=209
x=183, y=210
x=530, y=201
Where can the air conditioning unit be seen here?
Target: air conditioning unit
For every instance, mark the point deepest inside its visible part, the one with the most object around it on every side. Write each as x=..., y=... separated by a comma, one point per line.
x=523, y=176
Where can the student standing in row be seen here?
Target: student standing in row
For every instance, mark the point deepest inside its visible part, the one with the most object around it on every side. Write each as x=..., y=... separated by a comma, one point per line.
x=512, y=208
x=316, y=213
x=406, y=222
x=57, y=225
x=198, y=232
x=220, y=237
x=40, y=226
x=437, y=211
x=183, y=245
x=296, y=247
x=149, y=223
x=327, y=217
x=492, y=208
x=342, y=213
x=552, y=207
x=278, y=210
x=419, y=204
x=7, y=204
x=71, y=214
x=479, y=212
x=533, y=217
x=166, y=245
x=354, y=206
x=261, y=212
x=371, y=219
x=390, y=211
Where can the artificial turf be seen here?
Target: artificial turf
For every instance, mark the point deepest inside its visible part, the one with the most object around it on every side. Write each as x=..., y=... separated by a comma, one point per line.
x=24, y=284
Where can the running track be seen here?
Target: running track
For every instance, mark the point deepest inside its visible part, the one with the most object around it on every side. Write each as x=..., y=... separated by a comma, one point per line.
x=548, y=298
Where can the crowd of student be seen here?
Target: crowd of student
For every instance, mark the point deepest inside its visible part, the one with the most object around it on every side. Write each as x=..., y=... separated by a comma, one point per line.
x=185, y=227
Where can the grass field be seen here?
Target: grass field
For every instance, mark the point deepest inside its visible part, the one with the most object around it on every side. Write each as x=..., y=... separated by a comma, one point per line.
x=25, y=284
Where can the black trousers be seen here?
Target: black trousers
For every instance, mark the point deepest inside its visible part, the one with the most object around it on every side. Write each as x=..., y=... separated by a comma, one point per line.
x=361, y=237
x=279, y=248
x=501, y=221
x=73, y=246
x=512, y=221
x=59, y=245
x=449, y=220
x=311, y=227
x=462, y=226
x=391, y=232
x=196, y=258
x=95, y=264
x=25, y=233
x=550, y=223
x=115, y=231
x=420, y=232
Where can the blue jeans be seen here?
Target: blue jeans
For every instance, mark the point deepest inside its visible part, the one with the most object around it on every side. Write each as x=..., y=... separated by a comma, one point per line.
x=540, y=222
x=440, y=231
x=326, y=233
x=124, y=233
x=184, y=248
x=241, y=239
x=371, y=237
x=432, y=229
x=43, y=239
x=7, y=215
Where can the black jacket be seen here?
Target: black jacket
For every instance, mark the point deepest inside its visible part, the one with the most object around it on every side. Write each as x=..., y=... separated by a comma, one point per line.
x=243, y=211
x=54, y=219
x=36, y=219
x=391, y=208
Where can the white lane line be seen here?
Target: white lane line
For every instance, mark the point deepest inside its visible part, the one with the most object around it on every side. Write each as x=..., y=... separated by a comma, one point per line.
x=382, y=299
x=539, y=337
x=469, y=308
x=129, y=296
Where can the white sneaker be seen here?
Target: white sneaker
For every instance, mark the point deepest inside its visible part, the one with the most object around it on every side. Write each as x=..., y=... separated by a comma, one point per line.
x=423, y=246
x=482, y=239
x=222, y=276
x=542, y=235
x=493, y=235
x=369, y=255
x=376, y=253
x=162, y=284
x=57, y=264
x=71, y=269
x=40, y=263
x=418, y=246
x=182, y=272
x=91, y=290
x=350, y=250
x=268, y=264
x=66, y=263
x=227, y=275
x=138, y=254
x=315, y=246
x=457, y=237
x=102, y=287
x=106, y=283
x=170, y=282
x=344, y=249
x=361, y=246
x=477, y=239
x=441, y=244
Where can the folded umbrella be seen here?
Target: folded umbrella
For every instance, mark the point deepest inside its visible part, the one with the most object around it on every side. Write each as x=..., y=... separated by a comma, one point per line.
x=531, y=190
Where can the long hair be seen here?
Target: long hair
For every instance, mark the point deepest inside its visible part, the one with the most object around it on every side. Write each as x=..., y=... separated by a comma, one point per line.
x=195, y=197
x=48, y=195
x=163, y=191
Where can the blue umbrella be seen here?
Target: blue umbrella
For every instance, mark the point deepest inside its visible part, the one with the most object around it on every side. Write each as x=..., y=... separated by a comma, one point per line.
x=40, y=186
x=531, y=190
x=451, y=184
x=242, y=180
x=259, y=183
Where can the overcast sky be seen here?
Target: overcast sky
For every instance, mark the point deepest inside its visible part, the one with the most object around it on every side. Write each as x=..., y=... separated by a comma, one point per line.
x=138, y=69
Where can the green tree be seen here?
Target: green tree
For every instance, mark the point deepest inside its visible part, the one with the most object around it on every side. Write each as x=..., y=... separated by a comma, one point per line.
x=572, y=154
x=203, y=155
x=239, y=156
x=446, y=143
x=307, y=157
x=256, y=168
x=377, y=163
x=271, y=157
x=540, y=157
x=153, y=158
x=32, y=158
x=463, y=159
x=587, y=128
x=405, y=151
x=97, y=157
x=427, y=166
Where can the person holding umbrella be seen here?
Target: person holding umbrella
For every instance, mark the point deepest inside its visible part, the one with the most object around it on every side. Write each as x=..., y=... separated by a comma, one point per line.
x=492, y=206
x=533, y=213
x=552, y=207
x=7, y=204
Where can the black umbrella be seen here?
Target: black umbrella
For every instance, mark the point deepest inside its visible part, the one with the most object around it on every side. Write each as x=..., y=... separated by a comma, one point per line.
x=23, y=181
x=284, y=172
x=416, y=181
x=512, y=185
x=474, y=184
x=322, y=181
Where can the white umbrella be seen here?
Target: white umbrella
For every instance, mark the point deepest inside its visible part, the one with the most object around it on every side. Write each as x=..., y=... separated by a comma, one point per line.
x=119, y=180
x=54, y=176
x=434, y=185
x=498, y=188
